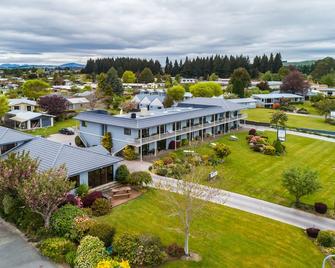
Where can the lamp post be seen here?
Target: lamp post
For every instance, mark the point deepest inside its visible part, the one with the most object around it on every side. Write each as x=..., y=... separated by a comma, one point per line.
x=325, y=260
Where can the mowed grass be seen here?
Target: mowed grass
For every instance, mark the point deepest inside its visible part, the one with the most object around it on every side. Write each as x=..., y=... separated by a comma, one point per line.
x=308, y=106
x=224, y=237
x=254, y=174
x=294, y=121
x=45, y=132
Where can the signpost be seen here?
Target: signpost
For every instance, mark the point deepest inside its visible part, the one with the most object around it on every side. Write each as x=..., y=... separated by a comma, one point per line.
x=281, y=134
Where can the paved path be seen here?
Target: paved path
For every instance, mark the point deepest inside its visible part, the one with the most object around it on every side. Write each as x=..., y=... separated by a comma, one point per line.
x=296, y=133
x=256, y=206
x=307, y=115
x=15, y=252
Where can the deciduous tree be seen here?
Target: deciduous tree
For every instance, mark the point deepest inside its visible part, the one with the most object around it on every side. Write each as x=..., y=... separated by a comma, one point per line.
x=3, y=106
x=325, y=106
x=206, y=89
x=240, y=80
x=53, y=104
x=279, y=119
x=128, y=77
x=35, y=88
x=176, y=92
x=295, y=83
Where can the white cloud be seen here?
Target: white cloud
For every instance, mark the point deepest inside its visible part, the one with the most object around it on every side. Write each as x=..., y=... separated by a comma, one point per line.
x=49, y=31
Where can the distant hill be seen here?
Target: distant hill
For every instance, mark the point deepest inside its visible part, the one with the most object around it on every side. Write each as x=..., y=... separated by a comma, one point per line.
x=299, y=63
x=71, y=65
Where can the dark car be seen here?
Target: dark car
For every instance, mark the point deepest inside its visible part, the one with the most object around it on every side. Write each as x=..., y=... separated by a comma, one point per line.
x=66, y=131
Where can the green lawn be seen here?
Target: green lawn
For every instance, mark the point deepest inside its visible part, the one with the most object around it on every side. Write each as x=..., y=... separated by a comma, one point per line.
x=258, y=175
x=308, y=106
x=294, y=121
x=54, y=129
x=224, y=237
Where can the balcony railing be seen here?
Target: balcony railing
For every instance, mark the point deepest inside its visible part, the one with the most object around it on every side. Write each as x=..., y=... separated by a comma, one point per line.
x=186, y=130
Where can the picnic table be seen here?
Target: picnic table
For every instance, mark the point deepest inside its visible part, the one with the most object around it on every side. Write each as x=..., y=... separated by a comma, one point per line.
x=122, y=191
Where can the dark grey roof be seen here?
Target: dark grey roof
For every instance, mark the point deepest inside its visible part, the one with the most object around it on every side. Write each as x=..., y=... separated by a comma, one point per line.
x=8, y=136
x=53, y=154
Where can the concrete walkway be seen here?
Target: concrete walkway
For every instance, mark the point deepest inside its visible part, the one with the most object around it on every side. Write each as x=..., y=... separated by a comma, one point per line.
x=296, y=133
x=16, y=252
x=306, y=115
x=252, y=205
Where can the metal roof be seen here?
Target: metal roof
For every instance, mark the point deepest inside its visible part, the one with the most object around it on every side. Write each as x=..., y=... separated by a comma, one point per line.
x=53, y=154
x=242, y=100
x=78, y=100
x=189, y=109
x=13, y=102
x=9, y=136
x=276, y=95
x=23, y=116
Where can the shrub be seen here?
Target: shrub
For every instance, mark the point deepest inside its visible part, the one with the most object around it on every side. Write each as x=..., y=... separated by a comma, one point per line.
x=222, y=150
x=9, y=204
x=70, y=257
x=129, y=153
x=29, y=221
x=269, y=150
x=82, y=190
x=82, y=225
x=174, y=250
x=78, y=142
x=104, y=232
x=90, y=252
x=326, y=239
x=312, y=232
x=167, y=160
x=252, y=132
x=74, y=200
x=56, y=248
x=162, y=171
x=302, y=111
x=279, y=147
x=122, y=174
x=320, y=208
x=140, y=250
x=89, y=199
x=184, y=142
x=140, y=178
x=101, y=206
x=113, y=264
x=62, y=221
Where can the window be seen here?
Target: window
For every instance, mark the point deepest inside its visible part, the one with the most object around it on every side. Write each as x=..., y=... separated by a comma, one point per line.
x=29, y=108
x=127, y=131
x=16, y=107
x=103, y=129
x=83, y=123
x=75, y=179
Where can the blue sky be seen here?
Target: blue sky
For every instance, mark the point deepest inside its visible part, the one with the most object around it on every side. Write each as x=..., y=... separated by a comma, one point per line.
x=45, y=31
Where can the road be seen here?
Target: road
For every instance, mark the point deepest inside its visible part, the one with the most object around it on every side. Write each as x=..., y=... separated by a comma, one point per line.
x=16, y=252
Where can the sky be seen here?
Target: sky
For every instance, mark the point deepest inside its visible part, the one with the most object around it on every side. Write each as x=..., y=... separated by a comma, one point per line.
x=60, y=31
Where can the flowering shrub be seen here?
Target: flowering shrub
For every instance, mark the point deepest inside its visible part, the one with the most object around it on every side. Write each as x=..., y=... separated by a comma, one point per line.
x=56, y=248
x=90, y=252
x=221, y=150
x=89, y=199
x=113, y=264
x=82, y=225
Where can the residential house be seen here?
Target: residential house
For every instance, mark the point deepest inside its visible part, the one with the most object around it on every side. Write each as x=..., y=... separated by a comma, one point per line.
x=93, y=166
x=26, y=120
x=22, y=104
x=77, y=103
x=267, y=100
x=155, y=130
x=248, y=103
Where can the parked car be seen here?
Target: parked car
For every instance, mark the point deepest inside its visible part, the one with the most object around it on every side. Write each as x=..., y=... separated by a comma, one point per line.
x=66, y=131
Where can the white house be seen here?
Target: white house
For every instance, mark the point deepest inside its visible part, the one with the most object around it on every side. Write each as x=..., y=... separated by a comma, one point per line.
x=248, y=103
x=22, y=104
x=267, y=100
x=27, y=120
x=77, y=103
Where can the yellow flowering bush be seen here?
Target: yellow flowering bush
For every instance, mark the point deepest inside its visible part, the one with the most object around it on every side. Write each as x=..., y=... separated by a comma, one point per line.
x=113, y=264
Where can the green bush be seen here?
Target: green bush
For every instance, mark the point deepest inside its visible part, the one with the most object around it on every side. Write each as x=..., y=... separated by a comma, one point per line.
x=279, y=147
x=184, y=142
x=29, y=221
x=104, y=232
x=122, y=174
x=62, y=221
x=269, y=150
x=129, y=153
x=326, y=239
x=70, y=258
x=139, y=250
x=56, y=248
x=82, y=190
x=78, y=142
x=162, y=171
x=140, y=178
x=222, y=150
x=91, y=250
x=101, y=206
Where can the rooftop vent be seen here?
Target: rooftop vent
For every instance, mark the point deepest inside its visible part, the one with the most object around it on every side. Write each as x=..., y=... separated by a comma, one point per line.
x=133, y=115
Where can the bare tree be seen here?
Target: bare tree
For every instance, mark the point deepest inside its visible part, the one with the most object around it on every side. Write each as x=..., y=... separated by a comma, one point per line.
x=186, y=206
x=93, y=100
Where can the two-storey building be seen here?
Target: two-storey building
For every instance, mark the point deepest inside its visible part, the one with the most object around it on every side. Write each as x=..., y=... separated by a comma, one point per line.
x=156, y=130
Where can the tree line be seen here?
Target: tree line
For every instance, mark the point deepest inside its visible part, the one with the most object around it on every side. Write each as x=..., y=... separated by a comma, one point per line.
x=222, y=65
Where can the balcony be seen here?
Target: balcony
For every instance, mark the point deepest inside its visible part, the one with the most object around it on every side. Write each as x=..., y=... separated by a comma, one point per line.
x=185, y=130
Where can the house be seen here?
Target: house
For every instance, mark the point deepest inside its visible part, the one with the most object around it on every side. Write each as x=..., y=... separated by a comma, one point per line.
x=248, y=103
x=148, y=101
x=329, y=92
x=93, y=166
x=267, y=100
x=156, y=130
x=28, y=120
x=22, y=104
x=188, y=81
x=77, y=103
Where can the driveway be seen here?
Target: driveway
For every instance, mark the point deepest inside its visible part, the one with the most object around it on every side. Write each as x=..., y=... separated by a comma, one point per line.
x=15, y=252
x=61, y=138
x=242, y=202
